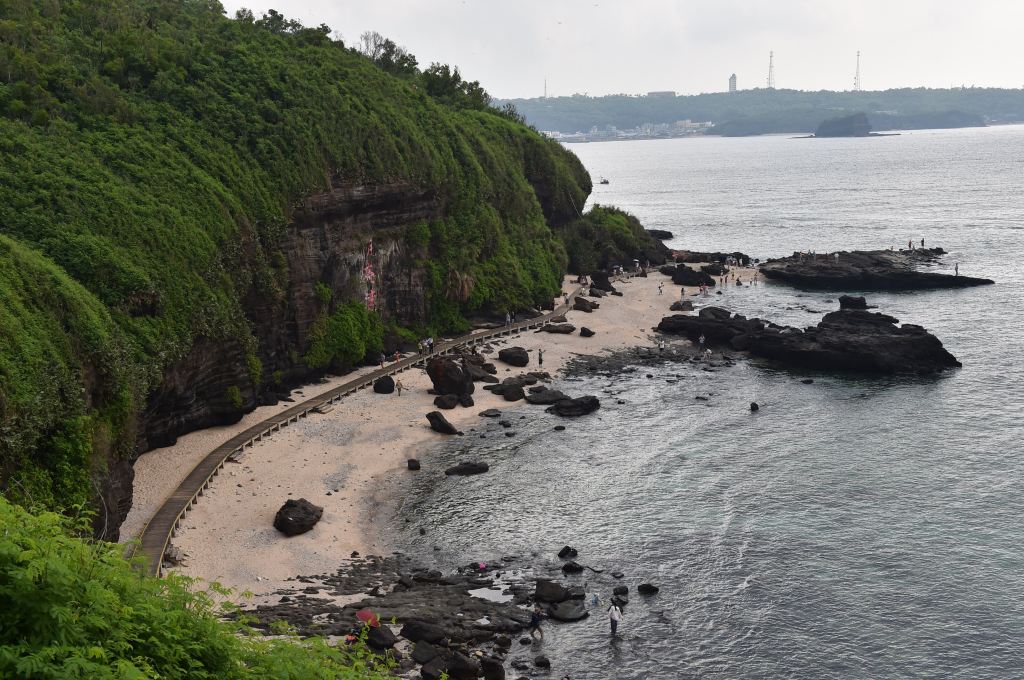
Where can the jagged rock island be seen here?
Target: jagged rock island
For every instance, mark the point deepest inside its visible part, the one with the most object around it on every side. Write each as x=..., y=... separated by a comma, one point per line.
x=866, y=270
x=848, y=340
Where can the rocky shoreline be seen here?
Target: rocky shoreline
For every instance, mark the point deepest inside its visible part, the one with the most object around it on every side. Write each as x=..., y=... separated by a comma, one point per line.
x=470, y=622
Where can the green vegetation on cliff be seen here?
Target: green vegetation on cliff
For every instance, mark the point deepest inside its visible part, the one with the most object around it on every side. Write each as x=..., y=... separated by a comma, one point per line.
x=151, y=154
x=607, y=236
x=74, y=608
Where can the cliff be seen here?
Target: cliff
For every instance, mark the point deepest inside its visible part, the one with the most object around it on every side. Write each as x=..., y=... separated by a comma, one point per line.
x=196, y=212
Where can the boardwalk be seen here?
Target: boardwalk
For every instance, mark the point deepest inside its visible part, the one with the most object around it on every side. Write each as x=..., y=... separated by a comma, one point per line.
x=158, y=531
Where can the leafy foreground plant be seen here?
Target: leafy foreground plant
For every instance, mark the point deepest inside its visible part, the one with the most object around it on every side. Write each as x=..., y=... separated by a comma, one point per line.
x=74, y=608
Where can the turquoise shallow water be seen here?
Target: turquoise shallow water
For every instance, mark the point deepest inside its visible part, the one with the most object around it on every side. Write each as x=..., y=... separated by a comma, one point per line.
x=854, y=527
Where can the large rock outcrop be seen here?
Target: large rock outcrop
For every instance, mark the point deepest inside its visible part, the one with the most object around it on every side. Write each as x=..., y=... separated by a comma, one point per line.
x=849, y=340
x=866, y=270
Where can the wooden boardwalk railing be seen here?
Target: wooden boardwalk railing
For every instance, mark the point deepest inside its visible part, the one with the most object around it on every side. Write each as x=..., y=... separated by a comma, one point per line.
x=157, y=533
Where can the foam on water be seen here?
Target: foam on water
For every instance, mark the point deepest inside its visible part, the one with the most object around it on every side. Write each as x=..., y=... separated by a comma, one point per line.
x=854, y=527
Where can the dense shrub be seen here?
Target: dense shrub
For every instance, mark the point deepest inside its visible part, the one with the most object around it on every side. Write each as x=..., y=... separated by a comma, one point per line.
x=607, y=236
x=74, y=608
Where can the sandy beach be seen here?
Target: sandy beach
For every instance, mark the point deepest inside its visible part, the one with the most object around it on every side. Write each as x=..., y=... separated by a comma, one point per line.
x=339, y=460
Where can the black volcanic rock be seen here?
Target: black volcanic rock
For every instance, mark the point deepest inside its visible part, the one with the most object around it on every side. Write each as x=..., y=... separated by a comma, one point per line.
x=514, y=356
x=438, y=423
x=586, y=332
x=449, y=377
x=580, y=406
x=584, y=305
x=446, y=401
x=549, y=591
x=660, y=234
x=866, y=270
x=468, y=468
x=570, y=610
x=684, y=276
x=297, y=517
x=601, y=280
x=563, y=328
x=852, y=302
x=546, y=397
x=384, y=385
x=850, y=340
x=854, y=340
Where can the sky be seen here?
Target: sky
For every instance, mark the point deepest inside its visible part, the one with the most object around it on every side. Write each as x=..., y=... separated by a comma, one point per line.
x=635, y=46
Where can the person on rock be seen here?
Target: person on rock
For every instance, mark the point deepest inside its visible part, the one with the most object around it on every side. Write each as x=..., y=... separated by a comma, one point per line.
x=535, y=618
x=614, y=616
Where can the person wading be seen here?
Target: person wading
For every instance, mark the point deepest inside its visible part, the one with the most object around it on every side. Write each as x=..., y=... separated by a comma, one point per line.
x=535, y=618
x=614, y=616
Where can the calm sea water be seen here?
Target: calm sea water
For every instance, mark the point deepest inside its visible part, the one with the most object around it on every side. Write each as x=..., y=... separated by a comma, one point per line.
x=854, y=527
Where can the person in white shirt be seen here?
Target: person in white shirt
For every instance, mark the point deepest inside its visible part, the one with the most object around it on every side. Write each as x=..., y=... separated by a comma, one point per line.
x=614, y=616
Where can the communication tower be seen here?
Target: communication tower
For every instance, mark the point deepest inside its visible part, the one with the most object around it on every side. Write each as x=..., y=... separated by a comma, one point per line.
x=771, y=70
x=856, y=77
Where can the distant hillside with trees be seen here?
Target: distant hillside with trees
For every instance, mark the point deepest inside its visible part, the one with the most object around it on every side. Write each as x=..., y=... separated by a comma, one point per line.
x=762, y=111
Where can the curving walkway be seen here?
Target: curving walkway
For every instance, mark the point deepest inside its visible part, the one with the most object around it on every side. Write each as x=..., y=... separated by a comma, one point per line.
x=158, y=531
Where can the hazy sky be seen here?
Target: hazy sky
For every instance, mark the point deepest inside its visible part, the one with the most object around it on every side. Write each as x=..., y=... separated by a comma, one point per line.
x=602, y=47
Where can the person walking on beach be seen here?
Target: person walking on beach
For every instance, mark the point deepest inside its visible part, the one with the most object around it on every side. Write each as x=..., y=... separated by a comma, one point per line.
x=535, y=619
x=540, y=357
x=614, y=616
x=661, y=347
x=661, y=288
x=399, y=386
x=700, y=341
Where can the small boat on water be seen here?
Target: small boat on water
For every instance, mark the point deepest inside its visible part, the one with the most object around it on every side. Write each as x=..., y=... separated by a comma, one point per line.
x=604, y=181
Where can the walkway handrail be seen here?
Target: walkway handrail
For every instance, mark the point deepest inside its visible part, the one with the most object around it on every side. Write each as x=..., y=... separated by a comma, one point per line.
x=157, y=533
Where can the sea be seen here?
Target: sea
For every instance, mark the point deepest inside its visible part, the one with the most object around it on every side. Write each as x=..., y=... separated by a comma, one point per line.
x=854, y=527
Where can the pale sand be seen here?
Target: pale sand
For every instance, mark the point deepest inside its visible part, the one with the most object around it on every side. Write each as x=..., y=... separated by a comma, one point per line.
x=229, y=536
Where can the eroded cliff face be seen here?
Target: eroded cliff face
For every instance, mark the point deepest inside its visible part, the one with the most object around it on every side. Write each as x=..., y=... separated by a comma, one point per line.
x=351, y=238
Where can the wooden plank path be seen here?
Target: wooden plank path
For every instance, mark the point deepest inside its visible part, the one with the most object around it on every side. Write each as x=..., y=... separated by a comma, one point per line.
x=157, y=533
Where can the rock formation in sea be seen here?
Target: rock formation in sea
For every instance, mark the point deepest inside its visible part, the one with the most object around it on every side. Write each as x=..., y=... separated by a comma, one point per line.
x=866, y=270
x=849, y=340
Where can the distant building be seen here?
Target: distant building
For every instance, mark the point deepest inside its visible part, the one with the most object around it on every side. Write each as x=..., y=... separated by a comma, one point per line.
x=662, y=93
x=732, y=83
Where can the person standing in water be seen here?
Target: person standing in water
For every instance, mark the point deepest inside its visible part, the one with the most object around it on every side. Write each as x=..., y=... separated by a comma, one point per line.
x=614, y=616
x=956, y=269
x=535, y=619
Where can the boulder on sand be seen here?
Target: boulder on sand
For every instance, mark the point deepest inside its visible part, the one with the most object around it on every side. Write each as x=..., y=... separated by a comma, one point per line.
x=513, y=393
x=384, y=385
x=449, y=377
x=413, y=464
x=468, y=468
x=684, y=276
x=586, y=332
x=681, y=306
x=602, y=280
x=581, y=304
x=490, y=413
x=514, y=356
x=438, y=423
x=564, y=328
x=297, y=517
x=446, y=401
x=580, y=406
